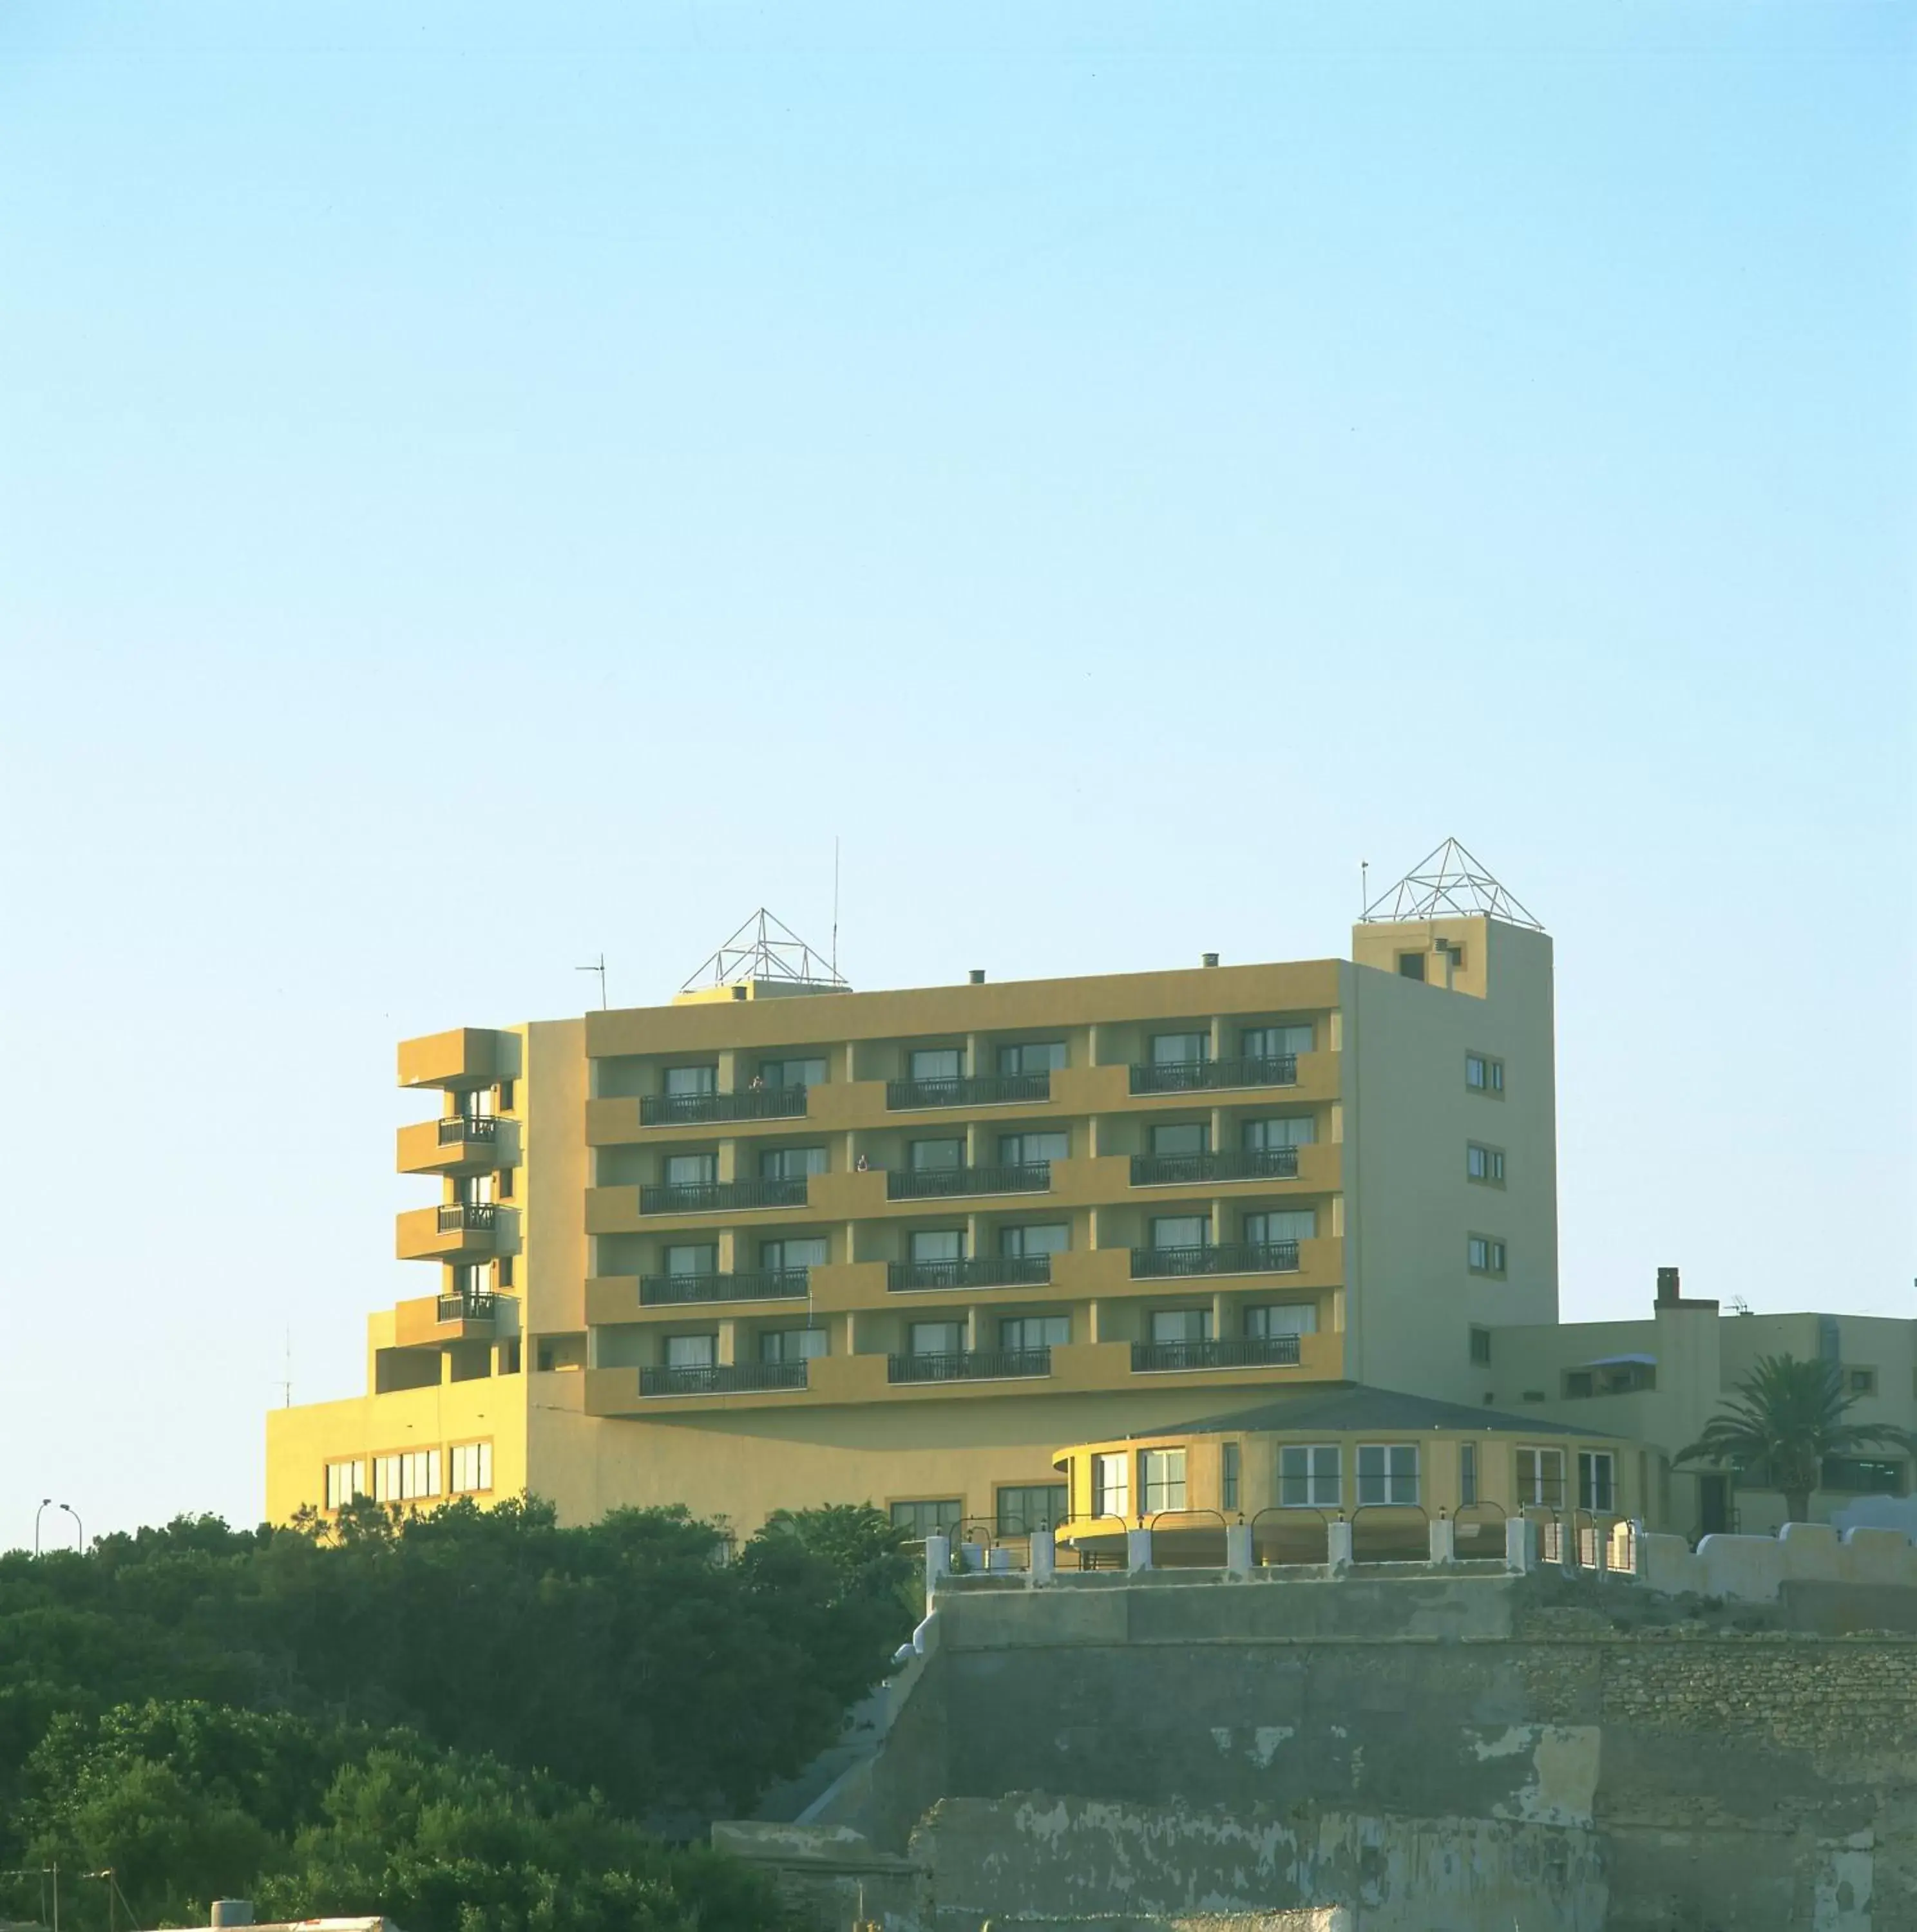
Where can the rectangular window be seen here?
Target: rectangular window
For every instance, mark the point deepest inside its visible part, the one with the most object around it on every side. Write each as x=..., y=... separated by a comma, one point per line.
x=1287, y=1224
x=1032, y=1056
x=790, y=1163
x=1387, y=1472
x=1281, y=1130
x=1035, y=1506
x=1486, y=1164
x=937, y=1338
x=937, y=1063
x=1597, y=1480
x=941, y=1154
x=936, y=1244
x=1181, y=1137
x=504, y=1187
x=1861, y=1381
x=1467, y=1474
x=1180, y=1049
x=1181, y=1325
x=504, y=1091
x=1111, y=1485
x=691, y=1079
x=1035, y=1331
x=1181, y=1231
x=937, y=1517
x=790, y=1344
x=1228, y=1456
x=1579, y=1383
x=1282, y=1317
x=1483, y=1074
x=344, y=1480
x=809, y=1072
x=1860, y=1475
x=408, y=1477
x=789, y=1253
x=1485, y=1255
x=1481, y=1347
x=1308, y=1476
x=692, y=1351
x=1411, y=965
x=1161, y=1474
x=692, y=1258
x=1029, y=1150
x=1541, y=1478
x=691, y=1170
x=502, y=1270
x=1035, y=1237
x=471, y=1468
x=1274, y=1043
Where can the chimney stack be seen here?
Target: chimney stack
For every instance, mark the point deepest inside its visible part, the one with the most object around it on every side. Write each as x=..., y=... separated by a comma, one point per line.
x=1668, y=1294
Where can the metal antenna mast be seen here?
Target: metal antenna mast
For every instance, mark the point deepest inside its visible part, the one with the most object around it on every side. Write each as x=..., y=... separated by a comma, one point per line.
x=835, y=905
x=598, y=967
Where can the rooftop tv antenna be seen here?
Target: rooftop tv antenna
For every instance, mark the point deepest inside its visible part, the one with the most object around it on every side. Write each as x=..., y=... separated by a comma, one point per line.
x=1448, y=883
x=598, y=967
x=835, y=905
x=286, y=1382
x=766, y=948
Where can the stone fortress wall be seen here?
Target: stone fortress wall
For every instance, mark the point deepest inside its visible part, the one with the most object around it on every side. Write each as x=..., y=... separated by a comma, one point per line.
x=1414, y=1751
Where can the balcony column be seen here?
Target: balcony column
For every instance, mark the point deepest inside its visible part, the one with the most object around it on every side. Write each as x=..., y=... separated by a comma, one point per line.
x=1220, y=1036
x=1218, y=1130
x=730, y=1069
x=971, y=1231
x=1218, y=1221
x=728, y=1158
x=975, y=1319
x=726, y=1260
x=1219, y=1332
x=1095, y=1321
x=728, y=1343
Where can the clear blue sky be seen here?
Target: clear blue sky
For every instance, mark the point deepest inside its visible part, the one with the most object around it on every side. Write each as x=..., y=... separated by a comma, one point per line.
x=480, y=485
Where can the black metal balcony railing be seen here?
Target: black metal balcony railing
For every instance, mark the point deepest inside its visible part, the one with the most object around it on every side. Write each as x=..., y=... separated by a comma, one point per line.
x=466, y=1307
x=1165, y=1170
x=457, y=1127
x=710, y=1197
x=752, y=1103
x=931, y=1183
x=970, y=1365
x=723, y=1378
x=975, y=1271
x=1194, y=1076
x=456, y=1215
x=1219, y=1258
x=1249, y=1351
x=969, y=1089
x=668, y=1291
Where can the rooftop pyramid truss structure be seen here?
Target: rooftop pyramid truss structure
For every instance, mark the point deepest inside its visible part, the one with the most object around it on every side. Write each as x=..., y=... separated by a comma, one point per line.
x=1448, y=884
x=766, y=948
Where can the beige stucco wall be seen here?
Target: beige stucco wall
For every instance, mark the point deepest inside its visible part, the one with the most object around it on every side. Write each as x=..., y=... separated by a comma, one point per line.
x=1410, y=1207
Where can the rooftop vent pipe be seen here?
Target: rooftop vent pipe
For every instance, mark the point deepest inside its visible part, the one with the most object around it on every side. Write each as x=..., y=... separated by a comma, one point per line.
x=977, y=976
x=1208, y=959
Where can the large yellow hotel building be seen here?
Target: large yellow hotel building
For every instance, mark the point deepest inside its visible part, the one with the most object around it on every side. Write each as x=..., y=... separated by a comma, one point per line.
x=780, y=1243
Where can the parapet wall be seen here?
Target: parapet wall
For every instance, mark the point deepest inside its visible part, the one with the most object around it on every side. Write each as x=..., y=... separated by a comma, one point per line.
x=1755, y=1569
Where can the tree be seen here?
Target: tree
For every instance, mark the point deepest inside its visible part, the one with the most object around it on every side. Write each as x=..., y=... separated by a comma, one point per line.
x=1788, y=1416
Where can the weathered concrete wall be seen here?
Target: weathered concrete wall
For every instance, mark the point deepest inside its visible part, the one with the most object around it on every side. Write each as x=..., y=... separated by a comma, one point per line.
x=1755, y=1569
x=1445, y=1757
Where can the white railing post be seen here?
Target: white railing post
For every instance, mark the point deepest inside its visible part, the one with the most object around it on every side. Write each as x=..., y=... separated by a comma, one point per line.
x=1137, y=1550
x=1520, y=1543
x=1444, y=1539
x=1337, y=1546
x=1044, y=1556
x=1238, y=1549
x=938, y=1564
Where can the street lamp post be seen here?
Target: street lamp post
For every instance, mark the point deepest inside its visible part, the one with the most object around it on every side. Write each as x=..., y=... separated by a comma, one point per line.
x=80, y=1528
x=46, y=1504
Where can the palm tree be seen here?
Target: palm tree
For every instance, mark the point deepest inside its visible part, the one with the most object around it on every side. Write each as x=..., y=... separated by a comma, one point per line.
x=1788, y=1416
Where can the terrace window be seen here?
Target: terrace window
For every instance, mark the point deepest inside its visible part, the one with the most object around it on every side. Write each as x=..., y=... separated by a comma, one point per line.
x=1161, y=1475
x=1031, y=1507
x=1032, y=1056
x=1111, y=1485
x=1308, y=1476
x=1387, y=1472
x=1034, y=1237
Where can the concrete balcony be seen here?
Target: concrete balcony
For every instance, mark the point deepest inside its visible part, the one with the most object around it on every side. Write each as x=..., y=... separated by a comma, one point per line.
x=454, y=1231
x=467, y=1056
x=458, y=1144
x=433, y=1320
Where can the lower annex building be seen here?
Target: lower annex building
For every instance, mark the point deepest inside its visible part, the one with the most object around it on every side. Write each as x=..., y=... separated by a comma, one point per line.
x=780, y=1243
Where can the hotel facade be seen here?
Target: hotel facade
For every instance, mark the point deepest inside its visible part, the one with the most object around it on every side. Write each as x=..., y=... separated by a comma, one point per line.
x=780, y=1243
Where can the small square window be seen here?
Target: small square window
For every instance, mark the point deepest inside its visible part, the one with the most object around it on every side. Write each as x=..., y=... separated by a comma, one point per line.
x=1411, y=965
x=1484, y=1255
x=1481, y=1346
x=1484, y=1165
x=1861, y=1381
x=1482, y=1074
